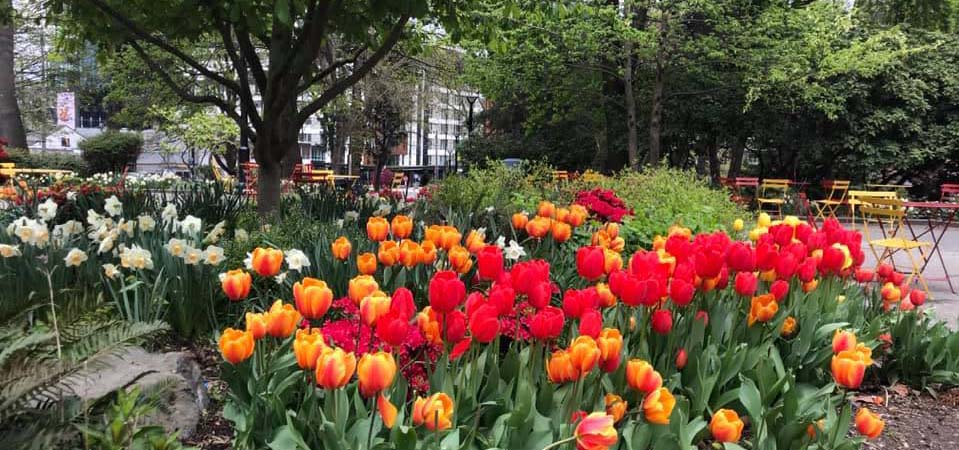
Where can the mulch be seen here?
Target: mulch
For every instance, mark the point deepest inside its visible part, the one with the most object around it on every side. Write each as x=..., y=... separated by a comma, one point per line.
x=915, y=420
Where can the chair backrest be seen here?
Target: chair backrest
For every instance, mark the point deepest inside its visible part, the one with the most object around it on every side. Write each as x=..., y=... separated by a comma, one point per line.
x=8, y=169
x=746, y=182
x=774, y=187
x=860, y=195
x=591, y=177
x=949, y=193
x=398, y=178
x=836, y=189
x=888, y=213
x=560, y=175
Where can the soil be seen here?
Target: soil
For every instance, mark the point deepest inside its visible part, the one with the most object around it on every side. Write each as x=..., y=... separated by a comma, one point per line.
x=915, y=420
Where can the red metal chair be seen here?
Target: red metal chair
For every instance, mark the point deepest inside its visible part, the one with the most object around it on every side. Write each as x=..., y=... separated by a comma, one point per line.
x=737, y=189
x=949, y=192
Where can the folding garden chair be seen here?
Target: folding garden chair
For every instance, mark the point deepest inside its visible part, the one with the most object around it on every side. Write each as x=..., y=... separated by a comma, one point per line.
x=889, y=215
x=737, y=186
x=949, y=193
x=772, y=194
x=835, y=198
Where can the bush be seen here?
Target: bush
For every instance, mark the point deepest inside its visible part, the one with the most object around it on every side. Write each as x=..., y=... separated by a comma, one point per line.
x=663, y=197
x=111, y=151
x=57, y=161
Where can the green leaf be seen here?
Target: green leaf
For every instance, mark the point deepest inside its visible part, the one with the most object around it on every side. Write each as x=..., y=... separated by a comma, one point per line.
x=282, y=12
x=751, y=399
x=287, y=438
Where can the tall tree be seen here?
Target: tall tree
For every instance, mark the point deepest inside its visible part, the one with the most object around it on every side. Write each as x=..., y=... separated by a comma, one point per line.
x=283, y=66
x=11, y=123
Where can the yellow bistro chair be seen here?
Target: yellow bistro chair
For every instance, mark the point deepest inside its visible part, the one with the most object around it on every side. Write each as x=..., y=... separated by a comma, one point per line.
x=772, y=194
x=889, y=215
x=836, y=197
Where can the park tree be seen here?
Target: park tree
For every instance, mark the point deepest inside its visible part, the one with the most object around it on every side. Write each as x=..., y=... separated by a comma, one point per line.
x=11, y=122
x=286, y=59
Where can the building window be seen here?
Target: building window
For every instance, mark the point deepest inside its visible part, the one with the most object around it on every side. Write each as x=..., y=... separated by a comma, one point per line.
x=65, y=142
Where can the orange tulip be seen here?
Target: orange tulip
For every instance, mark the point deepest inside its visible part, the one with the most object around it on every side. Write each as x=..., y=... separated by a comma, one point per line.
x=562, y=215
x=601, y=239
x=596, y=432
x=377, y=229
x=389, y=253
x=726, y=426
x=584, y=354
x=236, y=346
x=434, y=412
x=257, y=324
x=475, y=241
x=617, y=244
x=848, y=368
x=334, y=368
x=375, y=372
x=561, y=231
x=267, y=261
x=387, y=410
x=559, y=367
x=869, y=424
x=434, y=234
x=449, y=237
x=577, y=215
x=307, y=346
x=538, y=227
x=612, y=229
x=658, y=405
x=374, y=306
x=361, y=286
x=816, y=427
x=546, y=209
x=762, y=308
x=789, y=327
x=236, y=284
x=641, y=376
x=428, y=253
x=460, y=259
x=810, y=285
x=616, y=406
x=610, y=343
x=519, y=220
x=606, y=297
x=768, y=275
x=843, y=340
x=612, y=261
x=410, y=253
x=282, y=319
x=402, y=227
x=366, y=263
x=312, y=297
x=341, y=248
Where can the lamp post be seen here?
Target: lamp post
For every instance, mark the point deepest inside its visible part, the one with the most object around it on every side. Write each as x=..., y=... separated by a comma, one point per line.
x=469, y=123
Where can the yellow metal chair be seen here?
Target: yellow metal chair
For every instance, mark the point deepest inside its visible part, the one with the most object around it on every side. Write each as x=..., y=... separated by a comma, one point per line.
x=560, y=175
x=836, y=197
x=855, y=198
x=772, y=194
x=592, y=177
x=889, y=215
x=8, y=169
x=398, y=179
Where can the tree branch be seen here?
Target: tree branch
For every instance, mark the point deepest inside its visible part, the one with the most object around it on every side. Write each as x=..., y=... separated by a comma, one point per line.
x=340, y=86
x=140, y=33
x=331, y=68
x=245, y=93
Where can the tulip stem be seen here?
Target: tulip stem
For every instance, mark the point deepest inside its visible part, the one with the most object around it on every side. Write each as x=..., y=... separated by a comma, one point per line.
x=558, y=444
x=369, y=437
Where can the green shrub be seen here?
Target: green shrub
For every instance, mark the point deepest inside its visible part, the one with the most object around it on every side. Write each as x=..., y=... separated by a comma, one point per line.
x=57, y=161
x=111, y=151
x=663, y=197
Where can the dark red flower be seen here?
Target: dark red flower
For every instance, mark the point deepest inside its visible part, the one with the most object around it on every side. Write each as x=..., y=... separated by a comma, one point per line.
x=662, y=321
x=547, y=323
x=779, y=289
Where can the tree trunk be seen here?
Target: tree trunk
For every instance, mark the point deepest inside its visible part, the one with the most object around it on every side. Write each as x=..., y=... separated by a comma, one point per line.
x=268, y=187
x=11, y=123
x=712, y=151
x=736, y=157
x=630, y=98
x=274, y=142
x=656, y=104
x=701, y=158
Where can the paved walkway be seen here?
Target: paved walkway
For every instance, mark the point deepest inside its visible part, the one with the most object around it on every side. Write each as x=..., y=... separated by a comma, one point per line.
x=945, y=302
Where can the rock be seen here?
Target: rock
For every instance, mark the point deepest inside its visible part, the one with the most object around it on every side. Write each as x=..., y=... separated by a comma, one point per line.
x=183, y=397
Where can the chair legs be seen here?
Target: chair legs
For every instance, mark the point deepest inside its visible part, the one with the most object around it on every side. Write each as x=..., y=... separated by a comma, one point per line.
x=888, y=253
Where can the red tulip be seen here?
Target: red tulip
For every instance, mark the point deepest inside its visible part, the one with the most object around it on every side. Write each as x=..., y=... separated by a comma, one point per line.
x=662, y=321
x=745, y=284
x=708, y=263
x=393, y=328
x=590, y=262
x=885, y=271
x=786, y=266
x=503, y=298
x=540, y=294
x=681, y=358
x=591, y=323
x=473, y=302
x=779, y=289
x=490, y=259
x=704, y=316
x=576, y=302
x=681, y=291
x=807, y=270
x=403, y=304
x=446, y=291
x=865, y=275
x=484, y=324
x=455, y=322
x=547, y=323
x=917, y=297
x=740, y=257
x=527, y=274
x=832, y=260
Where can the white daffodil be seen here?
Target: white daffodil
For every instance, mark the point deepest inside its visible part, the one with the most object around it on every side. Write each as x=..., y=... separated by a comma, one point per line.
x=94, y=219
x=75, y=257
x=169, y=214
x=296, y=260
x=514, y=251
x=240, y=235
x=126, y=226
x=351, y=215
x=500, y=241
x=176, y=247
x=9, y=251
x=213, y=255
x=490, y=209
x=248, y=261
x=72, y=227
x=190, y=225
x=110, y=271
x=280, y=278
x=71, y=196
x=146, y=223
x=113, y=206
x=136, y=258
x=216, y=233
x=106, y=245
x=221, y=277
x=192, y=256
x=47, y=210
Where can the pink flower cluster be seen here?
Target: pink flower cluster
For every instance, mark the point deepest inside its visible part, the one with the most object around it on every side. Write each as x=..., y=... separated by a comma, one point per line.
x=604, y=204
